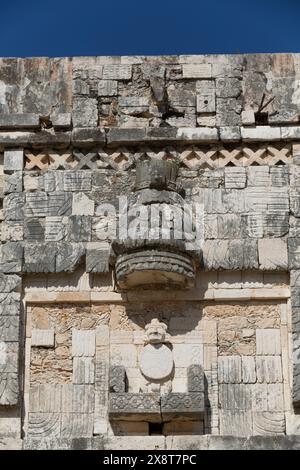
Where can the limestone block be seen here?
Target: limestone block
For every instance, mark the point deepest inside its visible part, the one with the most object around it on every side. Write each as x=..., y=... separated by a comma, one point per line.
x=78, y=398
x=279, y=176
x=13, y=160
x=42, y=338
x=39, y=258
x=229, y=226
x=9, y=283
x=12, y=231
x=55, y=228
x=268, y=341
x=248, y=370
x=97, y=260
x=195, y=378
x=13, y=205
x=80, y=87
x=10, y=425
x=13, y=183
x=45, y=398
x=237, y=423
x=206, y=102
x=230, y=254
x=117, y=72
x=83, y=343
x=197, y=71
x=229, y=112
x=117, y=379
x=230, y=134
x=229, y=369
x=272, y=254
x=179, y=405
x=269, y=369
x=187, y=354
x=36, y=204
x=294, y=253
x=260, y=397
x=80, y=180
x=275, y=397
x=61, y=120
x=9, y=328
x=235, y=397
x=82, y=205
x=19, y=121
x=59, y=204
x=9, y=388
x=34, y=229
x=123, y=354
x=258, y=176
x=235, y=177
x=80, y=228
x=268, y=423
x=83, y=370
x=134, y=443
x=44, y=425
x=68, y=256
x=11, y=257
x=10, y=303
x=77, y=425
x=248, y=118
x=260, y=133
x=196, y=134
x=135, y=407
x=85, y=113
x=107, y=87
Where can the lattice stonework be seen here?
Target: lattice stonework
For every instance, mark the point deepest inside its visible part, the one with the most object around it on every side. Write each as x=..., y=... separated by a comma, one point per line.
x=191, y=157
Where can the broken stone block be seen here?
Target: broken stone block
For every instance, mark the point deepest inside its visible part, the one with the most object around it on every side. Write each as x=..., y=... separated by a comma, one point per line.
x=9, y=283
x=34, y=229
x=59, y=203
x=42, y=338
x=97, y=260
x=85, y=112
x=80, y=180
x=117, y=72
x=9, y=328
x=82, y=204
x=13, y=183
x=12, y=231
x=10, y=303
x=80, y=228
x=107, y=87
x=36, y=204
x=13, y=206
x=9, y=389
x=55, y=229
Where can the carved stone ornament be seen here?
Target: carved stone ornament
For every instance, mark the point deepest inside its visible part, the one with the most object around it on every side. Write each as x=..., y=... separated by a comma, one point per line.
x=154, y=251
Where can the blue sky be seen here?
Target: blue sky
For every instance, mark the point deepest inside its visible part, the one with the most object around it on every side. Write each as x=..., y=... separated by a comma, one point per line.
x=133, y=27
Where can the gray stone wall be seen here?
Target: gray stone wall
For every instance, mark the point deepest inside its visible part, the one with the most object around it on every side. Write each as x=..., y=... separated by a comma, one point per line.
x=71, y=133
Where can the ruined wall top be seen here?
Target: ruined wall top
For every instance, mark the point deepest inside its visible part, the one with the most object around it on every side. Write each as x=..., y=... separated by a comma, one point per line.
x=145, y=99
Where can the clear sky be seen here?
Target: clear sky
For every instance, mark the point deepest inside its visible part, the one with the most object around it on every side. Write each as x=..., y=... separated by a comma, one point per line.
x=151, y=27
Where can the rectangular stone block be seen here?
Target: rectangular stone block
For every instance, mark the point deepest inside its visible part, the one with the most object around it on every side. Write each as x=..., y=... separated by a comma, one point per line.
x=9, y=354
x=195, y=378
x=268, y=341
x=39, y=258
x=83, y=370
x=78, y=398
x=237, y=423
x=19, y=121
x=80, y=180
x=97, y=260
x=79, y=228
x=13, y=183
x=206, y=103
x=248, y=370
x=230, y=254
x=235, y=397
x=41, y=425
x=107, y=87
x=179, y=405
x=197, y=71
x=268, y=423
x=235, y=177
x=9, y=328
x=258, y=176
x=13, y=160
x=83, y=343
x=55, y=228
x=269, y=369
x=272, y=254
x=45, y=398
x=135, y=407
x=117, y=72
x=12, y=231
x=229, y=369
x=10, y=303
x=59, y=204
x=117, y=379
x=42, y=338
x=260, y=397
x=77, y=425
x=68, y=256
x=11, y=257
x=34, y=229
x=9, y=388
x=36, y=204
x=13, y=206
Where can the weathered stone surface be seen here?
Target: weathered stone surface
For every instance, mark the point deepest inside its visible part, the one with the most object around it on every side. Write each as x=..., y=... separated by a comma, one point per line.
x=229, y=370
x=272, y=254
x=42, y=338
x=230, y=254
x=39, y=258
x=11, y=257
x=268, y=369
x=135, y=407
x=268, y=341
x=117, y=379
x=19, y=121
x=83, y=370
x=13, y=205
x=189, y=405
x=9, y=388
x=13, y=160
x=68, y=256
x=195, y=378
x=97, y=260
x=83, y=343
x=9, y=283
x=156, y=361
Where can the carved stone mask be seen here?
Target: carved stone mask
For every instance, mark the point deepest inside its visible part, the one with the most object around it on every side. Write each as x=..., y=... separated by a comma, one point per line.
x=155, y=332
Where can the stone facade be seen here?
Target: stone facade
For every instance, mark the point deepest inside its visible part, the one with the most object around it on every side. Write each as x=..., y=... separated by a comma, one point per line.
x=109, y=343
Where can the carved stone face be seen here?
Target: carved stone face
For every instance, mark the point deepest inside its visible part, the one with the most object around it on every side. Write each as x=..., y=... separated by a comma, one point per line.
x=155, y=331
